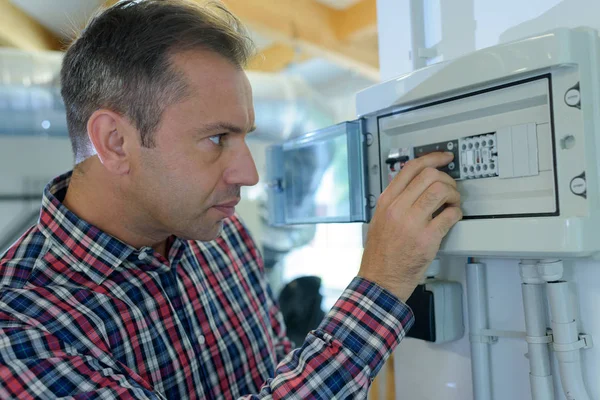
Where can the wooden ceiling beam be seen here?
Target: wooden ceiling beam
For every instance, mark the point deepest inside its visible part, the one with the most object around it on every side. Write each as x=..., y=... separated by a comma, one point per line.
x=273, y=58
x=356, y=21
x=308, y=26
x=17, y=29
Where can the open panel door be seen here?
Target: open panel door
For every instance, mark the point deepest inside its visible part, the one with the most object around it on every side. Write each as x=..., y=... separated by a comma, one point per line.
x=319, y=177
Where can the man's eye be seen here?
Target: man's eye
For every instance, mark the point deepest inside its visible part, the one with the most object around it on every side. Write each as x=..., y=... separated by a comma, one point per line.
x=217, y=139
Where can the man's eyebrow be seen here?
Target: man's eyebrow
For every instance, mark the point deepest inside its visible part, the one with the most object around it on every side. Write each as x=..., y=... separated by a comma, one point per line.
x=224, y=127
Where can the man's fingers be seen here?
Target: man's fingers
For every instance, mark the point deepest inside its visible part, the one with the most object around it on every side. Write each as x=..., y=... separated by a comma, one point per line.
x=434, y=197
x=442, y=223
x=422, y=182
x=413, y=168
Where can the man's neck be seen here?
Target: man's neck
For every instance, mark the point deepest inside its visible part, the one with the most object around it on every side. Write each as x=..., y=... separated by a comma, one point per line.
x=94, y=198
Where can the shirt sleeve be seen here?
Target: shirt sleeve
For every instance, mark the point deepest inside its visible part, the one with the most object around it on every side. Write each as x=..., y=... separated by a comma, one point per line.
x=341, y=358
x=343, y=355
x=37, y=365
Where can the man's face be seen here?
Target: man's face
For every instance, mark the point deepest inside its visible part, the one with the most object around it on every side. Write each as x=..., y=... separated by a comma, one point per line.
x=190, y=181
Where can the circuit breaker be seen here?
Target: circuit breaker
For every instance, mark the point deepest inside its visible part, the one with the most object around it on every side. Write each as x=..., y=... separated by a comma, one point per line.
x=523, y=122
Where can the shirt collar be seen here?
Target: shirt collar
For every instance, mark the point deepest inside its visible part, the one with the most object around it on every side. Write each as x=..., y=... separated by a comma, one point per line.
x=97, y=253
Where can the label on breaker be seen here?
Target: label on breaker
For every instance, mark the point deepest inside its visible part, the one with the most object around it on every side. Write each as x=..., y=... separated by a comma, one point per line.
x=452, y=169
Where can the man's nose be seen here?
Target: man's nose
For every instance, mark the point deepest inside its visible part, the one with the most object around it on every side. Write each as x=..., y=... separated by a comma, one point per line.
x=243, y=169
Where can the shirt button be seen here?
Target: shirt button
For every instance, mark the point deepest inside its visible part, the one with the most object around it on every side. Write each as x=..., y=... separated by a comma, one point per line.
x=142, y=256
x=201, y=339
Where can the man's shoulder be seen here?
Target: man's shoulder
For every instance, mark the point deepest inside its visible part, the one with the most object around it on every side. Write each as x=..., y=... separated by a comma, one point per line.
x=19, y=260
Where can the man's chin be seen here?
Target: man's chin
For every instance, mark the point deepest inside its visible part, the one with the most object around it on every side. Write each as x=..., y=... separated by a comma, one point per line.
x=206, y=235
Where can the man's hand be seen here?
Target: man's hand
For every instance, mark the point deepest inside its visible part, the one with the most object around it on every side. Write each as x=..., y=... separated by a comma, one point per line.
x=403, y=237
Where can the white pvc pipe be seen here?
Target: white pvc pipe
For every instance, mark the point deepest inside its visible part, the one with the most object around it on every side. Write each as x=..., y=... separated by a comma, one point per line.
x=478, y=320
x=540, y=375
x=564, y=331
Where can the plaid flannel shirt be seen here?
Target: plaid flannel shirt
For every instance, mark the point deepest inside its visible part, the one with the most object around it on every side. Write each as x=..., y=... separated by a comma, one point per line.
x=84, y=315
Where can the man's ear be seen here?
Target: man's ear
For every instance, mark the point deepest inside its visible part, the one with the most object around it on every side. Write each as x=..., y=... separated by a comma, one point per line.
x=109, y=132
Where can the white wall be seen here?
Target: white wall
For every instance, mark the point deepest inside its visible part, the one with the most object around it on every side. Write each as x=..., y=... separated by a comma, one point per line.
x=426, y=371
x=27, y=163
x=393, y=18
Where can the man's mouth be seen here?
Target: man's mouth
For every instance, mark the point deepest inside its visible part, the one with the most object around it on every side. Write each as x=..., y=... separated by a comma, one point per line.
x=227, y=208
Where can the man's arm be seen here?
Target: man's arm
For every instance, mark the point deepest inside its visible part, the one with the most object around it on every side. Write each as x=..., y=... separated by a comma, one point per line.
x=338, y=360
x=343, y=355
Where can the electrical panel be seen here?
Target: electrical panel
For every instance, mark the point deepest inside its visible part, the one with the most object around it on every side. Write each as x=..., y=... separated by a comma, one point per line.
x=523, y=122
x=502, y=144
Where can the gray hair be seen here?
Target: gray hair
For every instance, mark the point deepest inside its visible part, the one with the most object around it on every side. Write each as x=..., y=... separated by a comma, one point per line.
x=122, y=61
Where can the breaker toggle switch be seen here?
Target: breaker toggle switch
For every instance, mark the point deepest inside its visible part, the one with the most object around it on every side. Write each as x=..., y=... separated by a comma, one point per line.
x=395, y=161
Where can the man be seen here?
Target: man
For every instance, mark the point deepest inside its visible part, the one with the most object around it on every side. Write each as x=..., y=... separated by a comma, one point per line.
x=139, y=281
